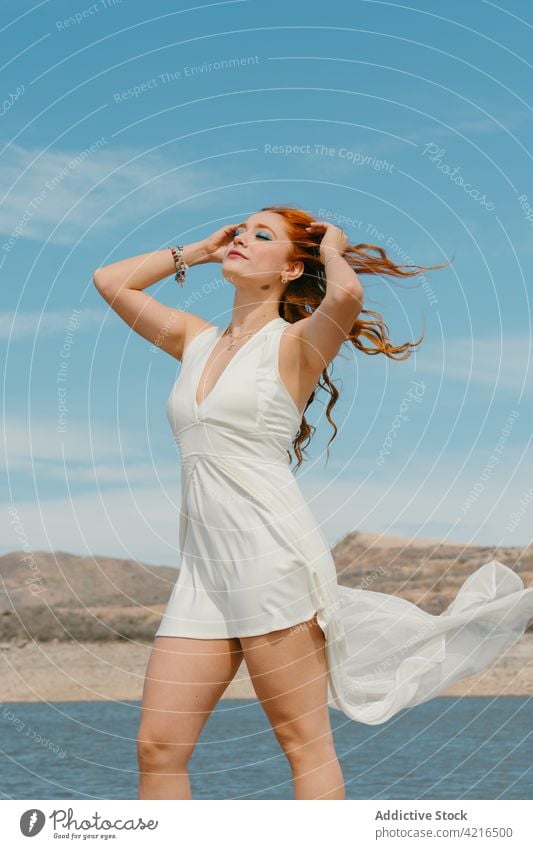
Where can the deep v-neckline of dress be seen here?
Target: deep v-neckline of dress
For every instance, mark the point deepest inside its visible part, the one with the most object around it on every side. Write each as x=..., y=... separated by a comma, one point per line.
x=198, y=405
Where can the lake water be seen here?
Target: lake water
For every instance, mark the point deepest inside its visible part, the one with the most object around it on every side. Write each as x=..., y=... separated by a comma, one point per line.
x=448, y=748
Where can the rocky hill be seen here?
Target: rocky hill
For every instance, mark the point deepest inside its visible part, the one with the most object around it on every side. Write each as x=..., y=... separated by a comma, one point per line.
x=57, y=595
x=60, y=596
x=426, y=572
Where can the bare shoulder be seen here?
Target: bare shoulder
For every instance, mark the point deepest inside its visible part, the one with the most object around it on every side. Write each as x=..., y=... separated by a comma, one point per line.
x=165, y=327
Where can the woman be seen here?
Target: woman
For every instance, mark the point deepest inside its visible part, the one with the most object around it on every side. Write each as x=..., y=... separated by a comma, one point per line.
x=257, y=580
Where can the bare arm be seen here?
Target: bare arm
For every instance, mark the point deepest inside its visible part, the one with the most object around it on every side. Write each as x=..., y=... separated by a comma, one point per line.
x=121, y=284
x=323, y=332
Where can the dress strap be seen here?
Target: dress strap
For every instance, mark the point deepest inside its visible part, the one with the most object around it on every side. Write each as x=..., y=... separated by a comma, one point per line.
x=206, y=334
x=269, y=356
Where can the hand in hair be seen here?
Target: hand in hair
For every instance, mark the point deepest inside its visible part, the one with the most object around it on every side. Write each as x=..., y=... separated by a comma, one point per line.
x=334, y=240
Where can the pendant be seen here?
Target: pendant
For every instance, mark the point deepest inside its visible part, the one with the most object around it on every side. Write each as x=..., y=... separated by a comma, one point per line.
x=234, y=341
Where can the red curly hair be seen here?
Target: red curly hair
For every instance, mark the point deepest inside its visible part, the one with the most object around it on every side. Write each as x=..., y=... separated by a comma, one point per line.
x=303, y=295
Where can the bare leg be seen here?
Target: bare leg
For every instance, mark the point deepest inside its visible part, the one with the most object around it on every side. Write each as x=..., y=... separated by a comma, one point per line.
x=288, y=669
x=184, y=680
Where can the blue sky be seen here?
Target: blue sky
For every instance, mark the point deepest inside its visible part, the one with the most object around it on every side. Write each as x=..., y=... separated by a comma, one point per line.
x=131, y=127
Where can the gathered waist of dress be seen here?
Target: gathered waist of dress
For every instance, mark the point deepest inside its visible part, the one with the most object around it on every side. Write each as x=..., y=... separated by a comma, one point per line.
x=203, y=438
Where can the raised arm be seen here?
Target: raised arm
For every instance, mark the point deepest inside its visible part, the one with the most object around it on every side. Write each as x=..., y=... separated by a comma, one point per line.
x=121, y=284
x=323, y=332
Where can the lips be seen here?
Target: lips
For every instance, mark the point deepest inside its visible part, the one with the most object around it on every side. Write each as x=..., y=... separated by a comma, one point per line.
x=236, y=253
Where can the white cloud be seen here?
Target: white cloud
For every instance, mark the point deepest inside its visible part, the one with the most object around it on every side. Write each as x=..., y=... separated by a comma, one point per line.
x=42, y=187
x=432, y=509
x=143, y=521
x=22, y=325
x=83, y=442
x=468, y=126
x=98, y=474
x=491, y=361
x=140, y=524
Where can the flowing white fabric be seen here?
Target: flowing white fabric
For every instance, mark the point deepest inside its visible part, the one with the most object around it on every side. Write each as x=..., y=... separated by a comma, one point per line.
x=254, y=559
x=393, y=655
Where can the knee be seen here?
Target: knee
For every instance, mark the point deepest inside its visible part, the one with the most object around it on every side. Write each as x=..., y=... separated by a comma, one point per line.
x=155, y=754
x=304, y=747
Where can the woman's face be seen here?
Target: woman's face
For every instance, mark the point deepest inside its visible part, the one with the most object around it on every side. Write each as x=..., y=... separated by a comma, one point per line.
x=259, y=249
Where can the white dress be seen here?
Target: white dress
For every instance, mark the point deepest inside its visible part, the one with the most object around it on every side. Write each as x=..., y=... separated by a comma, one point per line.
x=254, y=559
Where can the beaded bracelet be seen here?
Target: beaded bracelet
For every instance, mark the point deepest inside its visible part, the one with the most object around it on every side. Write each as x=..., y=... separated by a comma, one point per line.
x=181, y=265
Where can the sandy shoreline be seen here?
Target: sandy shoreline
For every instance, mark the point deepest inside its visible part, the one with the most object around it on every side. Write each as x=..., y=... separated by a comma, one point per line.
x=96, y=671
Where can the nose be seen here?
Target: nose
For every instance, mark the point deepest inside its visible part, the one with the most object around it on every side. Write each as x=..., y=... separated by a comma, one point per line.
x=238, y=236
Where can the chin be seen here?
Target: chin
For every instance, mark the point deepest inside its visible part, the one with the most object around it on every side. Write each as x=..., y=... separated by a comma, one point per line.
x=228, y=275
x=236, y=278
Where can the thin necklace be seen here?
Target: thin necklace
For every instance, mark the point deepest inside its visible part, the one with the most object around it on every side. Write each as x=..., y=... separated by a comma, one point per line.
x=237, y=338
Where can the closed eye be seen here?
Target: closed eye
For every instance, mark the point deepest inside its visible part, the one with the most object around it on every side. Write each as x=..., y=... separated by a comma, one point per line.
x=261, y=234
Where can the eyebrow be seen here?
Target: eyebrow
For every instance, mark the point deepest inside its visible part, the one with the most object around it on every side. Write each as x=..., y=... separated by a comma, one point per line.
x=243, y=223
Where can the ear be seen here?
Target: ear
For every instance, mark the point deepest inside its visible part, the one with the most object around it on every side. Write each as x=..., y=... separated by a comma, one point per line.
x=294, y=270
